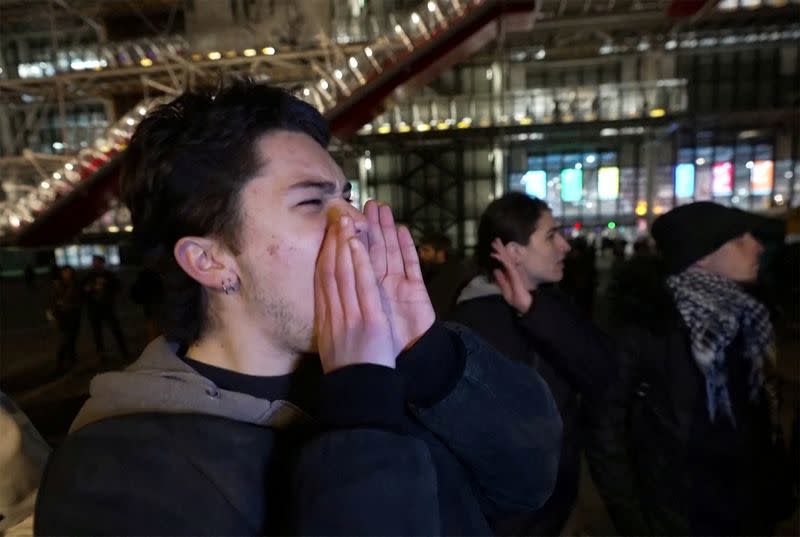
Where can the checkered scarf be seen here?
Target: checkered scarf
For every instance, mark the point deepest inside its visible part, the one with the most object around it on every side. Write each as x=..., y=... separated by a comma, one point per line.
x=716, y=310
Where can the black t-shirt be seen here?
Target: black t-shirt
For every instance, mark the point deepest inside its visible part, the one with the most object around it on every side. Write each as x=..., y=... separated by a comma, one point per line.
x=301, y=387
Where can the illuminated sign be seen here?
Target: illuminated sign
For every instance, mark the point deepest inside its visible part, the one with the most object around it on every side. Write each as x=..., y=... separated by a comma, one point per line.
x=608, y=183
x=722, y=179
x=535, y=183
x=761, y=177
x=571, y=185
x=684, y=180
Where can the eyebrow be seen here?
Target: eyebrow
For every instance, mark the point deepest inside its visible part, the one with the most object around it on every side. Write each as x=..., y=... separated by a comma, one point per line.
x=327, y=187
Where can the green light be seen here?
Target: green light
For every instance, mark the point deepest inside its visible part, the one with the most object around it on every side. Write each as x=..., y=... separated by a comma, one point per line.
x=612, y=225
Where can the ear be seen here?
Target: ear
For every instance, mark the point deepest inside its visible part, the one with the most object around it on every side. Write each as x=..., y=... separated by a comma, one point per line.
x=205, y=261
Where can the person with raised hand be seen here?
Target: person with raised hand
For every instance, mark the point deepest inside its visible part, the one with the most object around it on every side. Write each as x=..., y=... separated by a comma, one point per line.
x=511, y=304
x=303, y=386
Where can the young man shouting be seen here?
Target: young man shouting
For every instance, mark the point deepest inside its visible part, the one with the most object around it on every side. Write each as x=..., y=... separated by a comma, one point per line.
x=303, y=385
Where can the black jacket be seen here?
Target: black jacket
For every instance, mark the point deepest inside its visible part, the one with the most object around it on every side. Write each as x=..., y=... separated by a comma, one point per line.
x=570, y=354
x=160, y=450
x=661, y=465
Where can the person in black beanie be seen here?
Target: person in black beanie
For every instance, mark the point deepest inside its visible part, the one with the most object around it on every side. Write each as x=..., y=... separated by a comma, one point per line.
x=687, y=443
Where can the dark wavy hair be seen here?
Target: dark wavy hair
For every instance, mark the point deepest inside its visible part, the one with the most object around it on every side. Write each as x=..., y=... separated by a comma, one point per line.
x=183, y=173
x=511, y=218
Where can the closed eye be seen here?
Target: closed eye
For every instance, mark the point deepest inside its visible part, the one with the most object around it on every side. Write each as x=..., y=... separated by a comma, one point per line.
x=314, y=202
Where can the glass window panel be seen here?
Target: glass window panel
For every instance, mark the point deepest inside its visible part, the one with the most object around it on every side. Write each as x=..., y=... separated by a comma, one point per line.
x=783, y=180
x=84, y=255
x=470, y=233
x=515, y=182
x=703, y=173
x=536, y=162
x=113, y=255
x=627, y=202
x=741, y=176
x=723, y=153
x=684, y=181
x=686, y=154
x=762, y=152
x=608, y=158
x=554, y=192
x=664, y=190
x=72, y=256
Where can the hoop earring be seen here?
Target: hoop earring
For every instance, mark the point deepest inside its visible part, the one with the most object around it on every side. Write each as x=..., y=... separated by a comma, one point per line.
x=228, y=286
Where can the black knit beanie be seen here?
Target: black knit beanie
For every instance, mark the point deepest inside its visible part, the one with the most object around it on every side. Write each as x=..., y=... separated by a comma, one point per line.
x=688, y=233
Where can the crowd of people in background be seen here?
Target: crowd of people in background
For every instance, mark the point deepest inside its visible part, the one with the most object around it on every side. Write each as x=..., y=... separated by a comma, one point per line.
x=313, y=354
x=97, y=294
x=678, y=442
x=674, y=403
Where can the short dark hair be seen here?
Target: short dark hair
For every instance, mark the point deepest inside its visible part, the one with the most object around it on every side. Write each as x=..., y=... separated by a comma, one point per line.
x=511, y=218
x=183, y=173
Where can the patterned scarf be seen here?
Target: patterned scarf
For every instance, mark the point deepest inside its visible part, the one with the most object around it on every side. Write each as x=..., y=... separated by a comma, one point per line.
x=716, y=310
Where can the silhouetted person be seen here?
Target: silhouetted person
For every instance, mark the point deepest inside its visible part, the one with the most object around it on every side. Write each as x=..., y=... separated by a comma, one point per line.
x=101, y=288
x=66, y=311
x=444, y=274
x=642, y=247
x=580, y=275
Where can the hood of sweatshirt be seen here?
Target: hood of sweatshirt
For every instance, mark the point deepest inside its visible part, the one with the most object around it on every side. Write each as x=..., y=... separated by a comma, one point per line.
x=159, y=381
x=478, y=287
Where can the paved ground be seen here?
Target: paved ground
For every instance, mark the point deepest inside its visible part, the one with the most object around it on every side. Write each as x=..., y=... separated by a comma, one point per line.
x=28, y=375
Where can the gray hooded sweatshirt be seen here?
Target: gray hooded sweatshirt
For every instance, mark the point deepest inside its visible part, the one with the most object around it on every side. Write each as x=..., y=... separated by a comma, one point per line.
x=159, y=381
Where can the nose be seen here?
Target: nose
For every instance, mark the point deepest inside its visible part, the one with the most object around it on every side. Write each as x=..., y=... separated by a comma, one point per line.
x=565, y=247
x=340, y=208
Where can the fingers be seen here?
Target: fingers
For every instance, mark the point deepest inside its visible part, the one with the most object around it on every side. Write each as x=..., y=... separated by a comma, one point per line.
x=345, y=279
x=501, y=254
x=328, y=295
x=377, y=246
x=367, y=290
x=409, y=252
x=394, y=258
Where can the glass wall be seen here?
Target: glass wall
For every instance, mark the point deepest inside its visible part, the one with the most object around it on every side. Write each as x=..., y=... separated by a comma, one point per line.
x=741, y=175
x=604, y=102
x=83, y=123
x=80, y=255
x=641, y=179
x=579, y=185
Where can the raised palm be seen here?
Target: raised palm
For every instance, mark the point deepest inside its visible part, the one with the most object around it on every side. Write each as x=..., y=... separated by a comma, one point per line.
x=396, y=265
